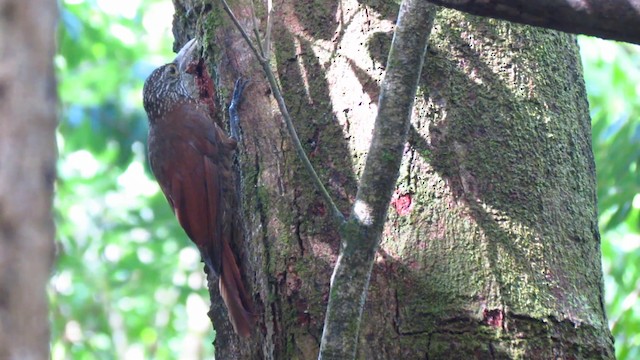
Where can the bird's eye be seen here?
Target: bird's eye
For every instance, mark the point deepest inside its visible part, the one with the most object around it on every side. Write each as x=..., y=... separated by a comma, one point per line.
x=172, y=70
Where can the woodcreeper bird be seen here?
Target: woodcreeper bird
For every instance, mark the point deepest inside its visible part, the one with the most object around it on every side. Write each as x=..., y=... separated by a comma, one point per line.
x=191, y=158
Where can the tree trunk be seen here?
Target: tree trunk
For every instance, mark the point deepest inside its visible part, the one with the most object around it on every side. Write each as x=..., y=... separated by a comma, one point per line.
x=491, y=248
x=27, y=172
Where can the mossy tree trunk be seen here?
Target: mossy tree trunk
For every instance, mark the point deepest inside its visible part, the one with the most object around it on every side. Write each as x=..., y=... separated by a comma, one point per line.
x=491, y=248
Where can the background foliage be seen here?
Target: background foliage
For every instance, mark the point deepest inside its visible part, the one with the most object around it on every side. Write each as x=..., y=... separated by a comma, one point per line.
x=612, y=76
x=128, y=284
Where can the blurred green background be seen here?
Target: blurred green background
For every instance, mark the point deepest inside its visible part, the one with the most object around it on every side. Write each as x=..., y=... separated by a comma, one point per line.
x=126, y=285
x=612, y=77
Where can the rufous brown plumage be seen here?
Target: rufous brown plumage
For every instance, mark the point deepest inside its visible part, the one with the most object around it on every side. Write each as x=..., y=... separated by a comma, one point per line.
x=191, y=158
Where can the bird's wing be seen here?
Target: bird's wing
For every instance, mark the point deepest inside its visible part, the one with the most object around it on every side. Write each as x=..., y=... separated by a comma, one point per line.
x=192, y=178
x=199, y=171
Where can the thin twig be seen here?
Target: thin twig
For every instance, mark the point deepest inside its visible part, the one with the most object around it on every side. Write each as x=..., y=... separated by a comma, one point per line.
x=275, y=90
x=267, y=38
x=255, y=30
x=256, y=33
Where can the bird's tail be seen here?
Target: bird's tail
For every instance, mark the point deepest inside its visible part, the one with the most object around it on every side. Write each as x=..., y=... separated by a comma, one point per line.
x=234, y=295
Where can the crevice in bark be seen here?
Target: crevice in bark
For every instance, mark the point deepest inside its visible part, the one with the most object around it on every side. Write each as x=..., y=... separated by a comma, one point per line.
x=396, y=322
x=297, y=223
x=492, y=350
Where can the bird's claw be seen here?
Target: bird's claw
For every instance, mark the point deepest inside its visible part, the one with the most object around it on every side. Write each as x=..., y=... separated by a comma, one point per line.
x=234, y=119
x=237, y=91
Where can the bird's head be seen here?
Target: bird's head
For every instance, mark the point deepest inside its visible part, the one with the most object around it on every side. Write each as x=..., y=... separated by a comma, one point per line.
x=171, y=83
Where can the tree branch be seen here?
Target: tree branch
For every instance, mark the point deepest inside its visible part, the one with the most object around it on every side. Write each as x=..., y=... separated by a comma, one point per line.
x=361, y=234
x=611, y=19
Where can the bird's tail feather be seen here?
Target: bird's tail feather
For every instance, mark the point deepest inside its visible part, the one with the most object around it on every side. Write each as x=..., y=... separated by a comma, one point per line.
x=234, y=294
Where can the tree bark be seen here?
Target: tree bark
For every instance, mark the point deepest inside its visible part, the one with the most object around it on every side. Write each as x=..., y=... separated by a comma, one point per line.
x=27, y=172
x=491, y=248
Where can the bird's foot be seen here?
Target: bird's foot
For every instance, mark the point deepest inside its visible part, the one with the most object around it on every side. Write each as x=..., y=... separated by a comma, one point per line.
x=234, y=119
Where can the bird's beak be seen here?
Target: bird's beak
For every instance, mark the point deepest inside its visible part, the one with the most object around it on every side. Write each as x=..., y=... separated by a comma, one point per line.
x=186, y=54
